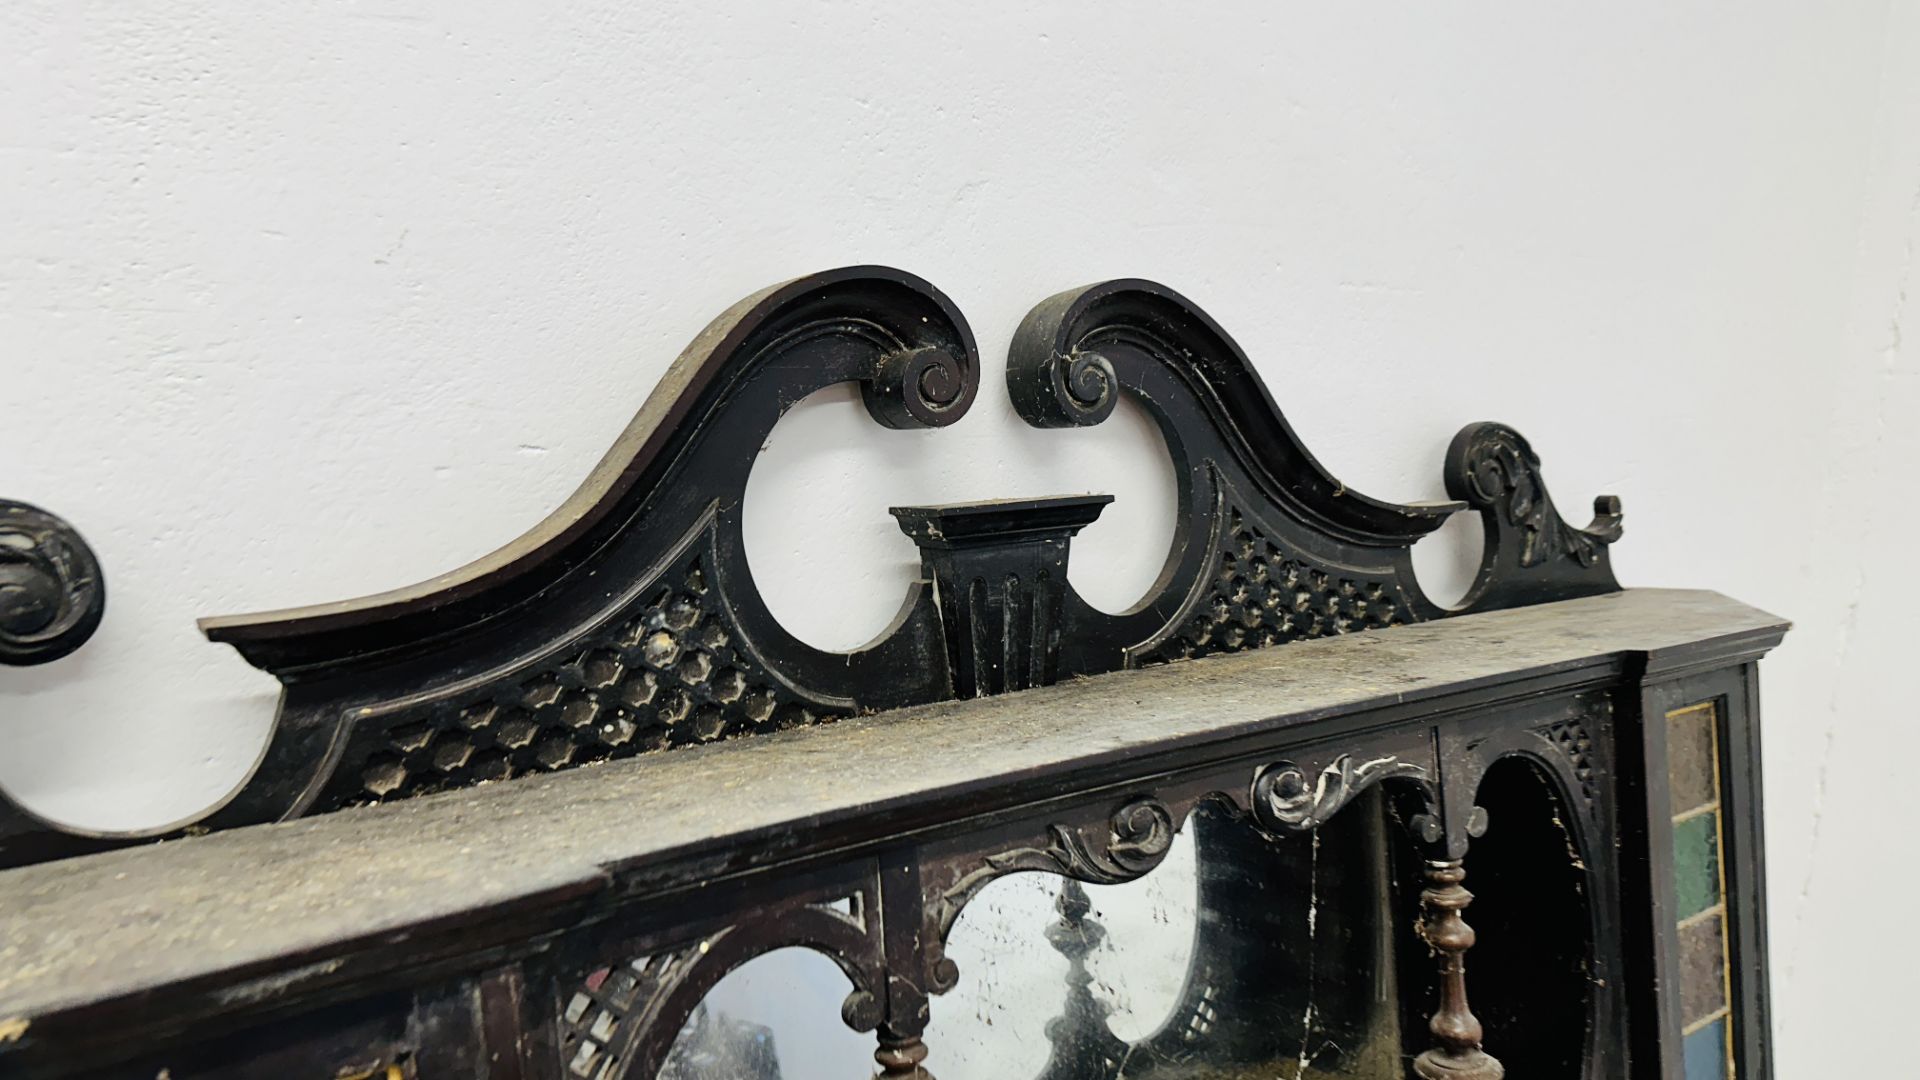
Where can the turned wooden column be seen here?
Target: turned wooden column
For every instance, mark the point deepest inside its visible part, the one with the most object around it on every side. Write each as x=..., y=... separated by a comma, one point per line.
x=901, y=1055
x=1456, y=1031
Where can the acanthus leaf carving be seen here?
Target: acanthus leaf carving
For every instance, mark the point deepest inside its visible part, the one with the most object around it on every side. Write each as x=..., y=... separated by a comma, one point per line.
x=1135, y=838
x=1532, y=554
x=1284, y=799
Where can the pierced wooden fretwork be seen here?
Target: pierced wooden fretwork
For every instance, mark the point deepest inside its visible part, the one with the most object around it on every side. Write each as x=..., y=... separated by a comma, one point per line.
x=1262, y=594
x=607, y=1010
x=1576, y=744
x=671, y=669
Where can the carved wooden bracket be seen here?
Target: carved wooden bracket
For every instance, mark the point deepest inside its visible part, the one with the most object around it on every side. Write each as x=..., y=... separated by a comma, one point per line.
x=628, y=620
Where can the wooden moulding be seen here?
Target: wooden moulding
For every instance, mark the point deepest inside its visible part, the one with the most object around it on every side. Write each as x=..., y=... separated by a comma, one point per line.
x=228, y=927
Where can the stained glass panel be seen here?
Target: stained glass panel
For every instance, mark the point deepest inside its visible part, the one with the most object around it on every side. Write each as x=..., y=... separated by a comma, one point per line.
x=1699, y=878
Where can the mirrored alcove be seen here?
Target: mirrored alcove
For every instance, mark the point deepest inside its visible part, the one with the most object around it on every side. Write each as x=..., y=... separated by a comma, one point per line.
x=775, y=1017
x=1048, y=964
x=1241, y=955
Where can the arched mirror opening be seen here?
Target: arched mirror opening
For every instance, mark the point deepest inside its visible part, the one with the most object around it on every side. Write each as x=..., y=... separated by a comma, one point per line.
x=775, y=1017
x=1243, y=954
x=1529, y=971
x=1043, y=958
x=831, y=562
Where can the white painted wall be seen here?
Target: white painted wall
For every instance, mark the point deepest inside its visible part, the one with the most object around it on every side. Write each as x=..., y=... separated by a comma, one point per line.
x=304, y=300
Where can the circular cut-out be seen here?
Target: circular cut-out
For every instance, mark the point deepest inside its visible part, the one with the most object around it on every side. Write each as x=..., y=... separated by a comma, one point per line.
x=832, y=565
x=1446, y=560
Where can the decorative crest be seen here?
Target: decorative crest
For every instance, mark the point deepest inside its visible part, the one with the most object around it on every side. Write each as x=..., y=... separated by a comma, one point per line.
x=628, y=620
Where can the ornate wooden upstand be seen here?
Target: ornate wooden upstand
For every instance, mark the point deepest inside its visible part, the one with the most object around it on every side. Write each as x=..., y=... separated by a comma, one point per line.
x=421, y=880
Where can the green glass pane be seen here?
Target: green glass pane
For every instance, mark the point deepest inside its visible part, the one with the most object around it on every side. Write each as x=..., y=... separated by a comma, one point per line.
x=1696, y=863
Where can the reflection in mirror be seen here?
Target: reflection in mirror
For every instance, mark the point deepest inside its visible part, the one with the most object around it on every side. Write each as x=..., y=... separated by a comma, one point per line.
x=1242, y=955
x=776, y=1017
x=1033, y=946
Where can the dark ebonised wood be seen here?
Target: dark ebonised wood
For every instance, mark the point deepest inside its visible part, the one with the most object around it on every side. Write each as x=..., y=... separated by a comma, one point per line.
x=370, y=905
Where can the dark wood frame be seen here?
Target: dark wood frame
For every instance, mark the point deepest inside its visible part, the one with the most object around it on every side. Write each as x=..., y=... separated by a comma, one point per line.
x=628, y=622
x=1732, y=686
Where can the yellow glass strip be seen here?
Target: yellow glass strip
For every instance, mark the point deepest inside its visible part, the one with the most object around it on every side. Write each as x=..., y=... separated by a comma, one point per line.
x=1706, y=1020
x=1696, y=812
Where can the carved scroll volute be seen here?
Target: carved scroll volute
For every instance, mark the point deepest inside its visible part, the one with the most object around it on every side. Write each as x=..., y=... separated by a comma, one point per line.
x=1246, y=485
x=893, y=333
x=546, y=653
x=1075, y=352
x=1532, y=556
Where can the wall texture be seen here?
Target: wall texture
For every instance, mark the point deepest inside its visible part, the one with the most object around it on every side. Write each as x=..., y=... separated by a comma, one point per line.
x=304, y=300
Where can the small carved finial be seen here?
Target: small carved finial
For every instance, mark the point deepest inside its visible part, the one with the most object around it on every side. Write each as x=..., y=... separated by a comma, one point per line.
x=1456, y=1030
x=999, y=573
x=1532, y=555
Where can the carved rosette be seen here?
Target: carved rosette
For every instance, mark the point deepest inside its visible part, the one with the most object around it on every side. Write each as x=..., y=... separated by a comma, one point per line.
x=929, y=386
x=51, y=591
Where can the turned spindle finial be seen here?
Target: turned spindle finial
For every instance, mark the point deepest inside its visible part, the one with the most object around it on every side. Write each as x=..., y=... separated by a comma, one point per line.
x=1456, y=1031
